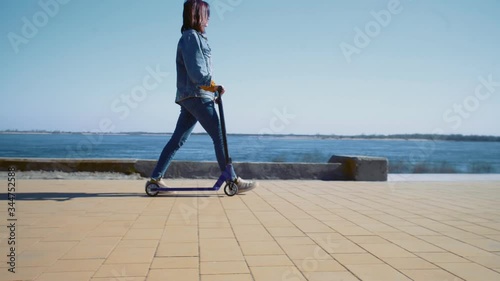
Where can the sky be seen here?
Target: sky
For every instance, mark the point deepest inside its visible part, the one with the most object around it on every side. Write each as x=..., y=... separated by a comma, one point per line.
x=289, y=67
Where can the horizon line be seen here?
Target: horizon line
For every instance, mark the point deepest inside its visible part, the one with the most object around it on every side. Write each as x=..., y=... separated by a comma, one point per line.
x=362, y=135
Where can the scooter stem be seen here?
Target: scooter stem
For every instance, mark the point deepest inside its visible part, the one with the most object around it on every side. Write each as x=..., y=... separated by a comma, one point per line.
x=223, y=127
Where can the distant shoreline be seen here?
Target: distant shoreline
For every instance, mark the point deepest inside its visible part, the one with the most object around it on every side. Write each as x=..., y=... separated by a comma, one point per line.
x=406, y=137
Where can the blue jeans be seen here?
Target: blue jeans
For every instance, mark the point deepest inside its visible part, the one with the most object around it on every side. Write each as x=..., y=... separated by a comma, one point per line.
x=193, y=110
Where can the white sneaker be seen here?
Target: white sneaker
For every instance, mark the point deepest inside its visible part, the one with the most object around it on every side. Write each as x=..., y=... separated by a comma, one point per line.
x=160, y=183
x=245, y=185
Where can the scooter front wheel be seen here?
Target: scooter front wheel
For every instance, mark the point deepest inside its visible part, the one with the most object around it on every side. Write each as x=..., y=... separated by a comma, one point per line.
x=231, y=189
x=152, y=189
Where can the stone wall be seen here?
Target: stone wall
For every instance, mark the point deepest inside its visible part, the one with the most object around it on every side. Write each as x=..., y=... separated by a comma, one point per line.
x=339, y=168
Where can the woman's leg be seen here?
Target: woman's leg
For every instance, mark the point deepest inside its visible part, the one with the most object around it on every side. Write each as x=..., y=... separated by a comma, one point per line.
x=183, y=129
x=204, y=111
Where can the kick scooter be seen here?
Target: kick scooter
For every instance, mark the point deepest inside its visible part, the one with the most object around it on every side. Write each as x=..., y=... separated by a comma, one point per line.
x=230, y=188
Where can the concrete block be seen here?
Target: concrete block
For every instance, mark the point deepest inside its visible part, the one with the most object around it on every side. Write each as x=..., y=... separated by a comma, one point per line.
x=362, y=168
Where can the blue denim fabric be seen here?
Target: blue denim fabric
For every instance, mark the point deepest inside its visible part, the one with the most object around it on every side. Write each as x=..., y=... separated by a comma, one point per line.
x=192, y=111
x=194, y=66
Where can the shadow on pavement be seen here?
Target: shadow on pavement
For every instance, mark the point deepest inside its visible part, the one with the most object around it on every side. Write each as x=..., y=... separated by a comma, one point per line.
x=64, y=196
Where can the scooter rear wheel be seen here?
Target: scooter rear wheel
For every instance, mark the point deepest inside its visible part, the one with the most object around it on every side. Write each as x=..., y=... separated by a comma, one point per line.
x=231, y=189
x=152, y=189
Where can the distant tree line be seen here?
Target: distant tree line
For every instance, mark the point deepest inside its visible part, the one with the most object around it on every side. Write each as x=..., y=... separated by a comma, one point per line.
x=433, y=137
x=453, y=137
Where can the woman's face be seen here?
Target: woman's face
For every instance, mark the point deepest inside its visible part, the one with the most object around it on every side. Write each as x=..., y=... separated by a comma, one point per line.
x=204, y=25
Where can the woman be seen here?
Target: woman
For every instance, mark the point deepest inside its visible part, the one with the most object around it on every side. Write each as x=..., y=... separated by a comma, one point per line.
x=195, y=92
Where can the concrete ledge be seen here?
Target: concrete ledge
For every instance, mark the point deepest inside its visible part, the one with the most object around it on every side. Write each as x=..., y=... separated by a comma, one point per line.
x=179, y=169
x=362, y=168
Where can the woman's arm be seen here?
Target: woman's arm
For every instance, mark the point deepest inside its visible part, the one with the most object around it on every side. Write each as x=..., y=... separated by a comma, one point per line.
x=196, y=65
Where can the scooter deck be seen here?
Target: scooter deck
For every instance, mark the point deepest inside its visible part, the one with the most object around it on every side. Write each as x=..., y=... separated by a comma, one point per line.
x=230, y=189
x=163, y=189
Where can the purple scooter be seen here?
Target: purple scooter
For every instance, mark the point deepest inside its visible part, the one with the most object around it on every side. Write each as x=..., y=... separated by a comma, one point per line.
x=230, y=188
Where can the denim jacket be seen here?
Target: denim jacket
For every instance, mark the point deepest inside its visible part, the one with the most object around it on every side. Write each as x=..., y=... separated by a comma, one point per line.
x=194, y=66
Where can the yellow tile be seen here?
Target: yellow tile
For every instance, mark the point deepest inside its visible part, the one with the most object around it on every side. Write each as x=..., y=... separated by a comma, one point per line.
x=251, y=233
x=492, y=261
x=416, y=245
x=128, y=278
x=268, y=260
x=136, y=243
x=180, y=234
x=441, y=257
x=76, y=265
x=175, y=262
x=224, y=267
x=109, y=231
x=295, y=241
x=173, y=274
x=387, y=250
x=470, y=271
x=296, y=252
x=177, y=250
x=61, y=276
x=314, y=265
x=430, y=275
x=277, y=273
x=308, y=225
x=211, y=233
x=122, y=270
x=131, y=255
x=220, y=250
x=144, y=233
x=26, y=273
x=260, y=248
x=330, y=276
x=227, y=277
x=366, y=239
x=38, y=258
x=289, y=231
x=364, y=258
x=86, y=252
x=409, y=263
x=382, y=272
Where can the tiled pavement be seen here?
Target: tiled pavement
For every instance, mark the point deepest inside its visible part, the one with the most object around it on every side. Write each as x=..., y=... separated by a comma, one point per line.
x=283, y=231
